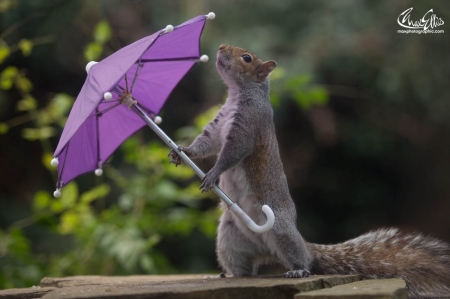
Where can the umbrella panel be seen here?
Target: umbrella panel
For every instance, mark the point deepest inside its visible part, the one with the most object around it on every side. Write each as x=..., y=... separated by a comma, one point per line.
x=155, y=81
x=182, y=43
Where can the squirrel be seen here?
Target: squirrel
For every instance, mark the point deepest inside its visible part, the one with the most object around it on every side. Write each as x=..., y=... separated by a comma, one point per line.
x=243, y=137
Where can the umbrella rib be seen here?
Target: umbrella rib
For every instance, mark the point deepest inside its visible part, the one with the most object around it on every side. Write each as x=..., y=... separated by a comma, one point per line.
x=171, y=59
x=99, y=113
x=126, y=81
x=136, y=74
x=98, y=133
x=60, y=183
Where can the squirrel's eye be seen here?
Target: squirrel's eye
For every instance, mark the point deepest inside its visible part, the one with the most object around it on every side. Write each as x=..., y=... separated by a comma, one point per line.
x=247, y=58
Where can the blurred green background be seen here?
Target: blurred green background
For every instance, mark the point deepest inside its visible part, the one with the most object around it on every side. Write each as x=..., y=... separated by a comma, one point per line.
x=362, y=116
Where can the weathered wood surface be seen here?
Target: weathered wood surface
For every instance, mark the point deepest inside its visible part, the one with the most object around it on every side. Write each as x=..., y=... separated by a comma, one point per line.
x=375, y=289
x=204, y=286
x=33, y=292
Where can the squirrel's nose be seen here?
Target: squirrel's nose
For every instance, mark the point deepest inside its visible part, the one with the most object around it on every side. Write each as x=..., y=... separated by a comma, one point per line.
x=222, y=46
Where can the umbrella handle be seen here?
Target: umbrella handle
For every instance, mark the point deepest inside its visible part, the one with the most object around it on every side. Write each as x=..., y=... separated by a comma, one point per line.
x=231, y=205
x=250, y=223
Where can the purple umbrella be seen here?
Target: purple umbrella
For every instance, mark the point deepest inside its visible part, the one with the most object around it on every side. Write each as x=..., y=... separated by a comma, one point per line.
x=138, y=77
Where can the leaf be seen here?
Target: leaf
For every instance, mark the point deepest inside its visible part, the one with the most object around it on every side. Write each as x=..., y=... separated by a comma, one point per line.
x=69, y=222
x=23, y=84
x=203, y=119
x=147, y=263
x=27, y=104
x=39, y=133
x=130, y=148
x=46, y=160
x=102, y=32
x=153, y=240
x=95, y=193
x=56, y=110
x=93, y=51
x=56, y=206
x=17, y=245
x=208, y=222
x=319, y=94
x=298, y=82
x=126, y=202
x=4, y=128
x=277, y=73
x=63, y=102
x=42, y=200
x=302, y=100
x=165, y=190
x=7, y=77
x=69, y=195
x=6, y=5
x=4, y=52
x=181, y=172
x=25, y=45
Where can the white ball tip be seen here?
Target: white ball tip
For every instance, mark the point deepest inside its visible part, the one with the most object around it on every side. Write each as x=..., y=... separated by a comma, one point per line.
x=211, y=16
x=204, y=58
x=98, y=172
x=107, y=96
x=89, y=65
x=169, y=28
x=158, y=120
x=57, y=193
x=54, y=162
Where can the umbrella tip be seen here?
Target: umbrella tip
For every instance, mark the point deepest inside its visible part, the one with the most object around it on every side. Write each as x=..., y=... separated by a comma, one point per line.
x=107, y=96
x=98, y=172
x=204, y=58
x=89, y=65
x=211, y=16
x=158, y=120
x=169, y=28
x=57, y=193
x=54, y=162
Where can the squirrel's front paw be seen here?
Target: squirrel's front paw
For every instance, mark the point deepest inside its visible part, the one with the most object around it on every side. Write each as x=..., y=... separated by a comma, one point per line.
x=296, y=274
x=209, y=180
x=175, y=158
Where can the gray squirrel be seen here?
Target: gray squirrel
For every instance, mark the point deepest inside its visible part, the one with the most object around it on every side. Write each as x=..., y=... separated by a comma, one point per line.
x=251, y=173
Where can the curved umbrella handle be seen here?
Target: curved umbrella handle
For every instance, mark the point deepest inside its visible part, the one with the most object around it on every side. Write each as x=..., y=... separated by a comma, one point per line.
x=250, y=223
x=233, y=206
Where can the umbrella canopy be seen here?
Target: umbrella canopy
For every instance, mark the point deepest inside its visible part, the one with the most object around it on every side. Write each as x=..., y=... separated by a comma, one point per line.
x=146, y=71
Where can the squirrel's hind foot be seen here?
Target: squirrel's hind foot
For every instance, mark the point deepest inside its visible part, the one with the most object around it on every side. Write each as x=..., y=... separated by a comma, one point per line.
x=296, y=274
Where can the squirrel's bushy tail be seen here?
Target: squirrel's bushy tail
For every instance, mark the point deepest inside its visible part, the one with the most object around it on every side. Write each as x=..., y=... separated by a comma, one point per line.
x=423, y=262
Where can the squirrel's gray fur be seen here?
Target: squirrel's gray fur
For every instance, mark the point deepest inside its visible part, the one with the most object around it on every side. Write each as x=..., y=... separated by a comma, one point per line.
x=251, y=173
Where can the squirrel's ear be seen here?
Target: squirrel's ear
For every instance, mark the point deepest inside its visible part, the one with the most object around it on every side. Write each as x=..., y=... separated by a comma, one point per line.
x=266, y=68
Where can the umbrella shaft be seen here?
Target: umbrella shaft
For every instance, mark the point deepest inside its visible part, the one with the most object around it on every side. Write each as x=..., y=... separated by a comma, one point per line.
x=174, y=146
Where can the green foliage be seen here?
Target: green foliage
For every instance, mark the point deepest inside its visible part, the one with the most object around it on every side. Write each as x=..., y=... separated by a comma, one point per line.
x=299, y=89
x=25, y=46
x=115, y=226
x=93, y=51
x=6, y=5
x=155, y=200
x=7, y=77
x=102, y=34
x=19, y=268
x=4, y=52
